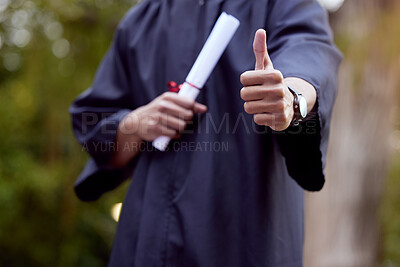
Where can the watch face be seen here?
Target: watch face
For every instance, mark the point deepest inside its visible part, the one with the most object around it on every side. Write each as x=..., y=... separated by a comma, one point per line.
x=303, y=106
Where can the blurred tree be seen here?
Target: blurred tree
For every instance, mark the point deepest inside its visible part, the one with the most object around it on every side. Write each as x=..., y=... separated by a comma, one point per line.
x=49, y=52
x=342, y=222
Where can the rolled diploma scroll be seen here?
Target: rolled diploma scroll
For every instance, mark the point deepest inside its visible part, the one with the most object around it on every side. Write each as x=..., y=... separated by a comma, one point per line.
x=219, y=38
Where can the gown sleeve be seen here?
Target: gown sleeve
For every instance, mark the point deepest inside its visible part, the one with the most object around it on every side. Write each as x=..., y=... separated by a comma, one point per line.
x=301, y=45
x=96, y=114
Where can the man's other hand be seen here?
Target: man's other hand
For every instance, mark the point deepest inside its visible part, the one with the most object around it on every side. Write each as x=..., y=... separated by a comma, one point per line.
x=166, y=115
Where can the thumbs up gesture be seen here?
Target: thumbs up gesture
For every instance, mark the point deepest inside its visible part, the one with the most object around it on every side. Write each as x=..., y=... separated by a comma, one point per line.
x=264, y=91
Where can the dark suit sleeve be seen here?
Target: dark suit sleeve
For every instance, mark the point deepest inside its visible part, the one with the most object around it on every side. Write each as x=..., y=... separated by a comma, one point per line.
x=96, y=114
x=300, y=44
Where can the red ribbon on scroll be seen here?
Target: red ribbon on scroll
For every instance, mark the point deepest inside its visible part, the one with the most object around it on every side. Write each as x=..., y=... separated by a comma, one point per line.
x=174, y=87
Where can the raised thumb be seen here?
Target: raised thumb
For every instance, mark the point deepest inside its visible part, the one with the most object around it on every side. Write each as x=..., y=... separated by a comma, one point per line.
x=260, y=51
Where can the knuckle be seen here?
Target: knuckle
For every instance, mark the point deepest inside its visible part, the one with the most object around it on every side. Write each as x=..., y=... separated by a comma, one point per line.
x=186, y=103
x=246, y=107
x=244, y=77
x=150, y=119
x=272, y=76
x=280, y=91
x=266, y=75
x=277, y=75
x=155, y=119
x=243, y=93
x=189, y=114
x=162, y=105
x=280, y=106
x=165, y=95
x=282, y=118
x=258, y=119
x=181, y=126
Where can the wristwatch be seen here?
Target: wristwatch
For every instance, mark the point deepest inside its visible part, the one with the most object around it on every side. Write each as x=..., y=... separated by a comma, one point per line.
x=299, y=107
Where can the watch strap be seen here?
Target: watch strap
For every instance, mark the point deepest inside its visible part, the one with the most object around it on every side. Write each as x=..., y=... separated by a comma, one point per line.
x=297, y=118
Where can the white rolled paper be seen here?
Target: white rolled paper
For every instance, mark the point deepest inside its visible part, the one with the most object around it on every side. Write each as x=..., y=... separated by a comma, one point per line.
x=216, y=43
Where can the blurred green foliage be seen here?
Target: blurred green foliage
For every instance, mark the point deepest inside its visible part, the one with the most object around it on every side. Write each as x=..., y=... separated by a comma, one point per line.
x=390, y=217
x=386, y=42
x=49, y=52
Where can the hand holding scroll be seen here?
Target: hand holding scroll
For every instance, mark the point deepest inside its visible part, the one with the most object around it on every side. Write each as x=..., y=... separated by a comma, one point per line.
x=166, y=115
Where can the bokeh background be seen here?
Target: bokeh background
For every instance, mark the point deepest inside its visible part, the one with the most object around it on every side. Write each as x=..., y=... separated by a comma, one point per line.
x=49, y=52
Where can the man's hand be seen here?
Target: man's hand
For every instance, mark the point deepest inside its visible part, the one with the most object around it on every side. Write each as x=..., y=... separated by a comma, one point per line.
x=166, y=115
x=265, y=92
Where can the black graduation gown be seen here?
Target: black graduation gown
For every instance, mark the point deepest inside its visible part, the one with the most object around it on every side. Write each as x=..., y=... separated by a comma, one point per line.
x=229, y=192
